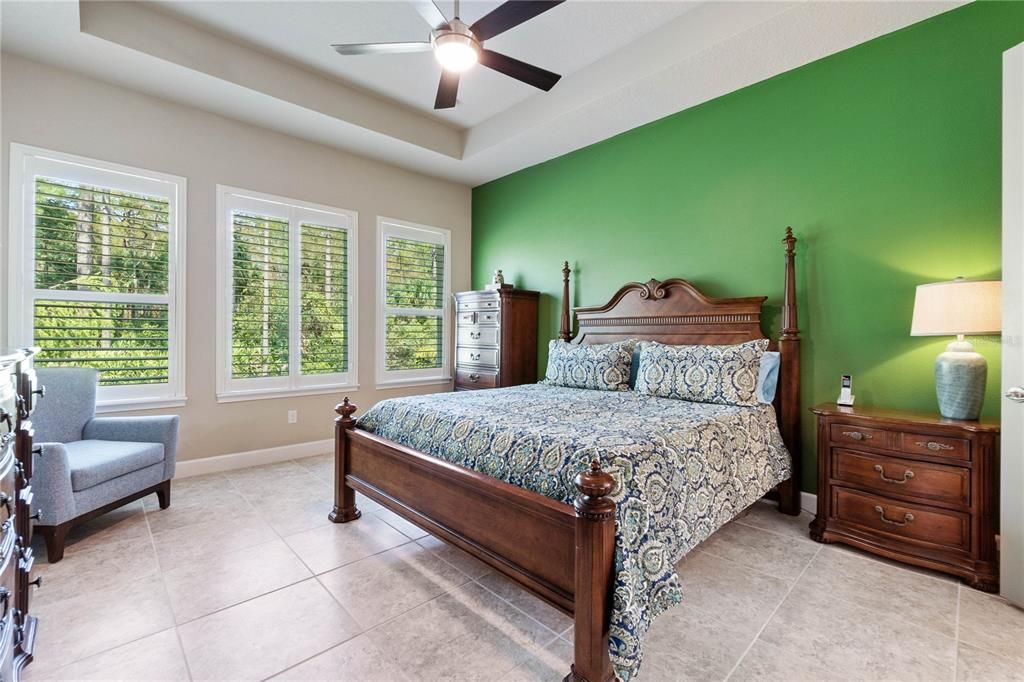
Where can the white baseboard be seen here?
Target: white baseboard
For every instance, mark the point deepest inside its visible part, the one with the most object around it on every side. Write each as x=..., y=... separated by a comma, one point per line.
x=240, y=460
x=809, y=502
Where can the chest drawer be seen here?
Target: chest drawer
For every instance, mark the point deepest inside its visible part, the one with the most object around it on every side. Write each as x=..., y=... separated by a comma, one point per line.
x=8, y=490
x=481, y=357
x=903, y=519
x=7, y=627
x=8, y=403
x=479, y=317
x=481, y=302
x=478, y=336
x=473, y=378
x=891, y=475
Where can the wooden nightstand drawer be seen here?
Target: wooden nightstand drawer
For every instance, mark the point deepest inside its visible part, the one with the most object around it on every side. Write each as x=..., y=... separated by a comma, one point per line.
x=916, y=522
x=859, y=435
x=890, y=475
x=911, y=486
x=935, y=446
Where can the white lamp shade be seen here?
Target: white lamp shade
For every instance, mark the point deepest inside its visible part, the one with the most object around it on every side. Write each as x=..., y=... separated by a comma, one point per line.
x=958, y=307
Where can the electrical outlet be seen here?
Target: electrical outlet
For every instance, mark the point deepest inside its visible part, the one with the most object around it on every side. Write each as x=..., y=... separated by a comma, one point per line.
x=293, y=416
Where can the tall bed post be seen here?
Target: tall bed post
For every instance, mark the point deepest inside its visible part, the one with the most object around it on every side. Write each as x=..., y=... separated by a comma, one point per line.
x=595, y=562
x=789, y=375
x=565, y=325
x=344, y=497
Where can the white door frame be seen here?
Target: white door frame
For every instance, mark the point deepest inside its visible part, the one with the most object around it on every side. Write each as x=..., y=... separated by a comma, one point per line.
x=1011, y=568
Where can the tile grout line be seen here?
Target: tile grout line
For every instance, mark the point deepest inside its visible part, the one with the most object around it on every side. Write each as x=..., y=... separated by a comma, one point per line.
x=772, y=615
x=973, y=645
x=134, y=639
x=956, y=635
x=167, y=593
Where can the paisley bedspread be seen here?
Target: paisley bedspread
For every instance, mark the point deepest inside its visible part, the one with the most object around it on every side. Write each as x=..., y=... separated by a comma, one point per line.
x=682, y=470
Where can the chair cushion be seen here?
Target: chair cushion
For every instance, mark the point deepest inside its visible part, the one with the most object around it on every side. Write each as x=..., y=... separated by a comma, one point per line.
x=97, y=461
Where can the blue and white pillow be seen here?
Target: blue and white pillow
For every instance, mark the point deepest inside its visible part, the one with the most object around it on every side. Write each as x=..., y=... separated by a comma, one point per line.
x=602, y=367
x=726, y=375
x=768, y=377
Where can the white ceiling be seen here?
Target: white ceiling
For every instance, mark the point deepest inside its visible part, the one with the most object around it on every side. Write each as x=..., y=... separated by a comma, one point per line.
x=563, y=40
x=624, y=63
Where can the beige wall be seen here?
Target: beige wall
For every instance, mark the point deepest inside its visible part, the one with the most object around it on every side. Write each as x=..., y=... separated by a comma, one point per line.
x=63, y=111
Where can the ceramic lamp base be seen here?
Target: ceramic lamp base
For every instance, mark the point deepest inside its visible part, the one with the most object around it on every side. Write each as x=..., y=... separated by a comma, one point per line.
x=960, y=376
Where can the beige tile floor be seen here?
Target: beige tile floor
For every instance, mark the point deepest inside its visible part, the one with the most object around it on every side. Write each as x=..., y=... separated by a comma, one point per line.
x=244, y=578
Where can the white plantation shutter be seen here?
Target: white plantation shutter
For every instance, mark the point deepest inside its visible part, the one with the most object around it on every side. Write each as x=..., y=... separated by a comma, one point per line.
x=289, y=283
x=324, y=333
x=96, y=283
x=260, y=301
x=415, y=294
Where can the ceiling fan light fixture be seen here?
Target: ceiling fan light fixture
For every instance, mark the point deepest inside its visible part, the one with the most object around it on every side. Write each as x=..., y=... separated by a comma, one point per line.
x=456, y=52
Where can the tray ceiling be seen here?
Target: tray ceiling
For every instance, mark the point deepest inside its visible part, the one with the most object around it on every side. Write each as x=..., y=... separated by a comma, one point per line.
x=624, y=63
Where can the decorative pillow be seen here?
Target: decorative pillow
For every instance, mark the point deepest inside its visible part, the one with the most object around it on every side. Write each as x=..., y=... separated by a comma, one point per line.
x=768, y=377
x=726, y=375
x=604, y=367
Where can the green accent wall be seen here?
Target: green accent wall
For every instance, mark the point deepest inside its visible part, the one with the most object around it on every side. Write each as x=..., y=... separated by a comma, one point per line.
x=885, y=159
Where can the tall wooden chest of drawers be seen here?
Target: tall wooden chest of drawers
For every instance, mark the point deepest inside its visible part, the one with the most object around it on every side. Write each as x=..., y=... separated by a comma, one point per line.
x=18, y=393
x=912, y=487
x=495, y=338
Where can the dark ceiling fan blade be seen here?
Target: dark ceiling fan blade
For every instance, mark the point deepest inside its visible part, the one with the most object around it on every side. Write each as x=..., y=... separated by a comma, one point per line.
x=380, y=48
x=510, y=15
x=447, y=89
x=429, y=11
x=527, y=73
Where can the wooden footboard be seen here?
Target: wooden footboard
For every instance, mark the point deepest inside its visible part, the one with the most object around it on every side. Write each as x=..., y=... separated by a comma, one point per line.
x=563, y=554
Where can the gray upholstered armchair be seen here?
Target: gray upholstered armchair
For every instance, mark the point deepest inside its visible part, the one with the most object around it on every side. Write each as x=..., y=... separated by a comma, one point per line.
x=89, y=465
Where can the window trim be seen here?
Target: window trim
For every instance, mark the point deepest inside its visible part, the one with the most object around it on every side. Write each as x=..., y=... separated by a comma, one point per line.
x=27, y=162
x=296, y=212
x=412, y=377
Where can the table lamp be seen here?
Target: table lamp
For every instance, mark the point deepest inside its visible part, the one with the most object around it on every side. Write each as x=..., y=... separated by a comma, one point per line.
x=959, y=307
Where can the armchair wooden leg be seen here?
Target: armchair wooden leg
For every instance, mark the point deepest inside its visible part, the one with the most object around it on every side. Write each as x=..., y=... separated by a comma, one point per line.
x=163, y=494
x=55, y=536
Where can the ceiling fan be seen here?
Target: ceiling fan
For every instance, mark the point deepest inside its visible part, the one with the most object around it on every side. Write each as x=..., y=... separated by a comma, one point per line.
x=458, y=46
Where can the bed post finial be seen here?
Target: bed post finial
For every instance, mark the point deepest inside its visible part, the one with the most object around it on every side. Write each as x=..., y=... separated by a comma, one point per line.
x=344, y=497
x=565, y=326
x=789, y=381
x=790, y=327
x=595, y=562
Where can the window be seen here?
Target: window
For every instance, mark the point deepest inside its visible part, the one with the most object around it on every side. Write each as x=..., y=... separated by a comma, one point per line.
x=413, y=294
x=288, y=296
x=97, y=273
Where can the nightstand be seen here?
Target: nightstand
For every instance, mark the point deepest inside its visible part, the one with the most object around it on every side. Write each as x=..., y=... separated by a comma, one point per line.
x=912, y=487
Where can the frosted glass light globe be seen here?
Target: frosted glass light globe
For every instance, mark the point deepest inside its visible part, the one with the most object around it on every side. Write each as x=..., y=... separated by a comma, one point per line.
x=455, y=52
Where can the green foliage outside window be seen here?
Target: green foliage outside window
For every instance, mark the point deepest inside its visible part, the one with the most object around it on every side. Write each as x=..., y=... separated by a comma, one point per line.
x=415, y=282
x=98, y=240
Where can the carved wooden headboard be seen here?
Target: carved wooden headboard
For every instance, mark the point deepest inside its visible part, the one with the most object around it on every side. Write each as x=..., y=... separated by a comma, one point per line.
x=676, y=312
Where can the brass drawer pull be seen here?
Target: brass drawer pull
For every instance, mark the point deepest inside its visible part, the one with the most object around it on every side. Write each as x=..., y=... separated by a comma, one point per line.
x=932, y=445
x=907, y=518
x=907, y=475
x=474, y=335
x=474, y=356
x=857, y=435
x=474, y=378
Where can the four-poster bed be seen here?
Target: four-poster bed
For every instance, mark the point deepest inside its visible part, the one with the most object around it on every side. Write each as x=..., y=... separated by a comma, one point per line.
x=563, y=553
